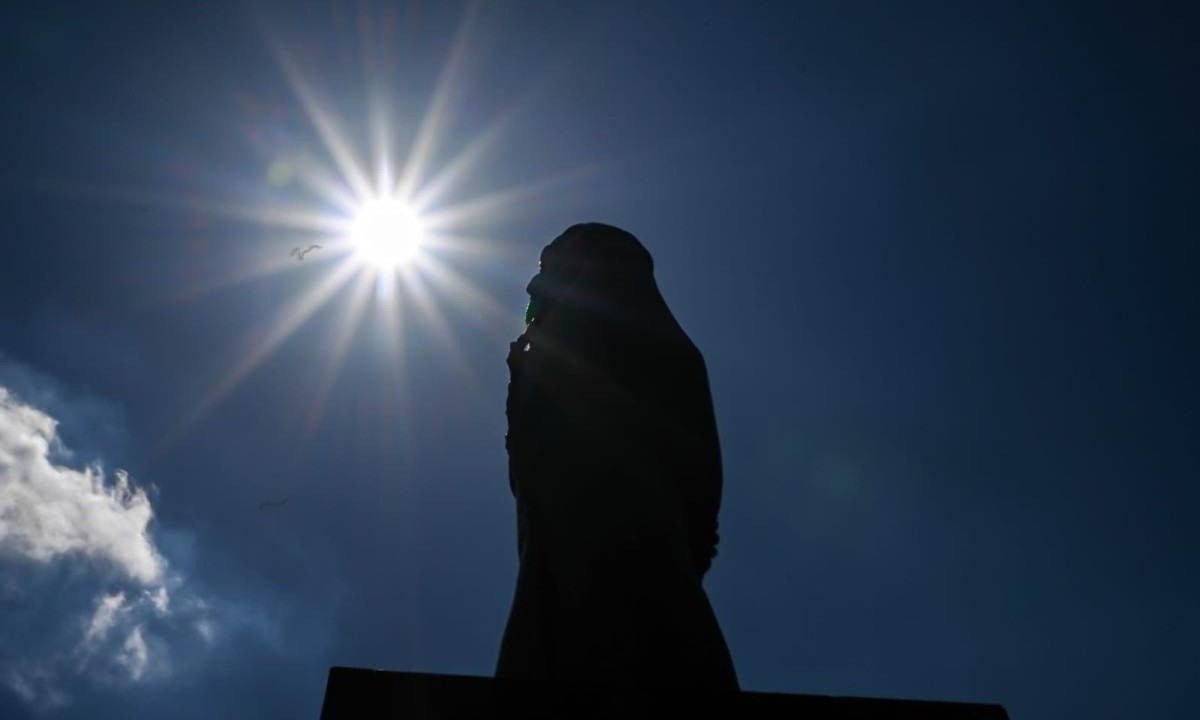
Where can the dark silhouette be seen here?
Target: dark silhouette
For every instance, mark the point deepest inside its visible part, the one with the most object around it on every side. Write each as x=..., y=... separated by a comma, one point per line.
x=616, y=469
x=362, y=694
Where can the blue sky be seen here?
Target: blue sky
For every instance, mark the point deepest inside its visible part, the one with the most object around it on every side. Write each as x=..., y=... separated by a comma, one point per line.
x=940, y=258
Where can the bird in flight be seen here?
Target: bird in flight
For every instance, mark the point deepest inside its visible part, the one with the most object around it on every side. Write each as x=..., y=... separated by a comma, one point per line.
x=299, y=254
x=272, y=503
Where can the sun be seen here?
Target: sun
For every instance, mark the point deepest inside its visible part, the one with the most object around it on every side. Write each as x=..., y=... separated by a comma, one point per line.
x=386, y=233
x=380, y=231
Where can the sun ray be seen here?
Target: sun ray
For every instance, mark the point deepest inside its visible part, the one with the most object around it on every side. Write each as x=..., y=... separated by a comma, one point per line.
x=489, y=206
x=380, y=133
x=325, y=185
x=324, y=123
x=434, y=120
x=432, y=312
x=292, y=217
x=387, y=299
x=462, y=163
x=347, y=326
x=287, y=321
x=323, y=229
x=464, y=245
x=484, y=309
x=243, y=273
x=392, y=317
x=378, y=78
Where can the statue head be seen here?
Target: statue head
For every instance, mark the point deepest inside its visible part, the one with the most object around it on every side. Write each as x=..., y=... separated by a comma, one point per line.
x=593, y=268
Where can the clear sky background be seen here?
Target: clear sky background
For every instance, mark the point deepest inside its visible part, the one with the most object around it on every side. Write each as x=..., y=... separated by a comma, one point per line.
x=941, y=259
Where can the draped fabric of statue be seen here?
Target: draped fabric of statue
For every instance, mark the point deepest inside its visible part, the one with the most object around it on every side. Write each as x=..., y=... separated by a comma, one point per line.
x=616, y=469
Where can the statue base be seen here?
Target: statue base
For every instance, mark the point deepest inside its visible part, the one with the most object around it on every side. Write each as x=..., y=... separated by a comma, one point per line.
x=362, y=694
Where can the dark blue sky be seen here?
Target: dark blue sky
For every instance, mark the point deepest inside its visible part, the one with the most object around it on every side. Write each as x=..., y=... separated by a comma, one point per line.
x=941, y=259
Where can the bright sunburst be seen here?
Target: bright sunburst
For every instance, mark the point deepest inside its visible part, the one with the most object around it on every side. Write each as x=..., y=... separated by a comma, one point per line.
x=386, y=232
x=377, y=225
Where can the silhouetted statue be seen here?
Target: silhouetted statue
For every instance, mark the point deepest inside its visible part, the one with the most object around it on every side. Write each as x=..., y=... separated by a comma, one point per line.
x=616, y=469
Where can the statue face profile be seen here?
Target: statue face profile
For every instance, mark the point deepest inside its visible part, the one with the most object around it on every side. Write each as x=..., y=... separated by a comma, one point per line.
x=592, y=265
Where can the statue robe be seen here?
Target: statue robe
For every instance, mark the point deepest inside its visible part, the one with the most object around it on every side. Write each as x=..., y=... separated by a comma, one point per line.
x=615, y=466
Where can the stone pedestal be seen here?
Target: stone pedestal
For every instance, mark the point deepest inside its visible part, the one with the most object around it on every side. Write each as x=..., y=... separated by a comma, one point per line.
x=360, y=694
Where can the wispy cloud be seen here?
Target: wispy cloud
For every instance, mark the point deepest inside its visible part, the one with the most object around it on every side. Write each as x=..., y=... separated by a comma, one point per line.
x=99, y=601
x=134, y=656
x=104, y=618
x=53, y=515
x=37, y=687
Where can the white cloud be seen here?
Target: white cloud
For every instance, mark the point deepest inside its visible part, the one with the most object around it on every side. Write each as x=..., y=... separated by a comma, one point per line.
x=104, y=618
x=53, y=513
x=49, y=510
